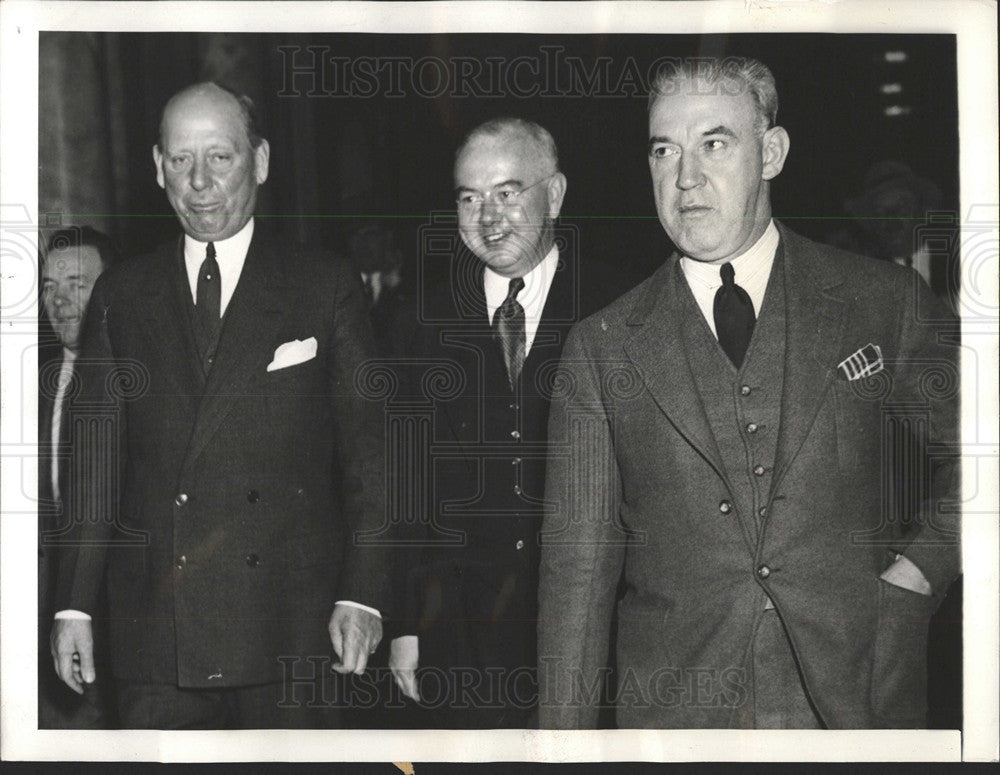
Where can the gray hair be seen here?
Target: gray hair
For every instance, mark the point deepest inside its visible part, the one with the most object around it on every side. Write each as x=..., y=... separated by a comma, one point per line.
x=515, y=126
x=753, y=74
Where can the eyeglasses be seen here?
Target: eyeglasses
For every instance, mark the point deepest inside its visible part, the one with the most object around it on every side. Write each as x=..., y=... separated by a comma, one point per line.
x=503, y=195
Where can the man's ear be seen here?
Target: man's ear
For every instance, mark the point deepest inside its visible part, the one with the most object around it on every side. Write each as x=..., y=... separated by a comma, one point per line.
x=158, y=161
x=261, y=157
x=556, y=190
x=774, y=150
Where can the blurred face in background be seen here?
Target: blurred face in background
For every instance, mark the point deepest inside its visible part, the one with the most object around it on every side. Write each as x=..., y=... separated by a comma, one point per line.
x=508, y=193
x=68, y=278
x=206, y=164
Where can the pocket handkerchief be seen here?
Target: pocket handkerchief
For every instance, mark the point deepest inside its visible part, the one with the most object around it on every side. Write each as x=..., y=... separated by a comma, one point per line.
x=862, y=363
x=293, y=353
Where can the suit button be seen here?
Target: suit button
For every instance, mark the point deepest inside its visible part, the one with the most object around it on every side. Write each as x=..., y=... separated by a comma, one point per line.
x=725, y=507
x=758, y=470
x=763, y=572
x=513, y=407
x=515, y=434
x=516, y=461
x=752, y=427
x=517, y=489
x=519, y=545
x=180, y=562
x=252, y=560
x=762, y=511
x=745, y=390
x=181, y=499
x=253, y=496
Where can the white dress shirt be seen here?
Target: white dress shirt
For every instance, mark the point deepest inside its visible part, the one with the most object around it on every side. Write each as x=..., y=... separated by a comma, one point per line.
x=752, y=269
x=230, y=254
x=532, y=296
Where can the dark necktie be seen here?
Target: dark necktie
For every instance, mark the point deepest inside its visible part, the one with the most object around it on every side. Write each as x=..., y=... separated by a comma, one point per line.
x=734, y=317
x=208, y=300
x=508, y=323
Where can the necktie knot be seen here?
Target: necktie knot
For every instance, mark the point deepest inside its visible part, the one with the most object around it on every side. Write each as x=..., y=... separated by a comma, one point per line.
x=728, y=274
x=515, y=287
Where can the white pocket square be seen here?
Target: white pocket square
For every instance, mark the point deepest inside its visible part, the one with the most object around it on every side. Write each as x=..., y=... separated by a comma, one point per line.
x=862, y=363
x=293, y=353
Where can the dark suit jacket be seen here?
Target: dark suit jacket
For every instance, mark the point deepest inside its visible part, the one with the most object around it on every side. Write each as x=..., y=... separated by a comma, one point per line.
x=471, y=588
x=212, y=506
x=641, y=486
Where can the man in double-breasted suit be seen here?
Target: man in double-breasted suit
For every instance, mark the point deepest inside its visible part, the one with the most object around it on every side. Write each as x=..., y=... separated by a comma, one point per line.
x=225, y=468
x=496, y=330
x=721, y=443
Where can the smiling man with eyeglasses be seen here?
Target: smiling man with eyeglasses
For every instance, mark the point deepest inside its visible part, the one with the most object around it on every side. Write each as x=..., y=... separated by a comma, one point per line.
x=472, y=587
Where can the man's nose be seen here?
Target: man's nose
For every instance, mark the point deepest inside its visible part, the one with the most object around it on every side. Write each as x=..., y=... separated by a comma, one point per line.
x=689, y=173
x=490, y=211
x=199, y=175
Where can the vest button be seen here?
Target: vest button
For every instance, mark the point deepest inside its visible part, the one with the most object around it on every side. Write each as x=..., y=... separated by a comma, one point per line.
x=745, y=390
x=752, y=427
x=762, y=511
x=252, y=560
x=253, y=496
x=516, y=461
x=513, y=407
x=181, y=499
x=758, y=470
x=180, y=562
x=763, y=572
x=725, y=507
x=515, y=434
x=517, y=489
x=519, y=545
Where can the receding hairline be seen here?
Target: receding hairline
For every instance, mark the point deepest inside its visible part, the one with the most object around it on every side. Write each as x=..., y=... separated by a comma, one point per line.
x=242, y=104
x=536, y=136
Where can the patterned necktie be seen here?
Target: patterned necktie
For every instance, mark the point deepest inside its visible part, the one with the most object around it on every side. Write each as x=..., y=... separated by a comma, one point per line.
x=508, y=324
x=208, y=301
x=734, y=316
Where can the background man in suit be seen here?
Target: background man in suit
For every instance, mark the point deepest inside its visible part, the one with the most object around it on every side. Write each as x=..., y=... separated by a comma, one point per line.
x=501, y=323
x=724, y=449
x=74, y=259
x=226, y=361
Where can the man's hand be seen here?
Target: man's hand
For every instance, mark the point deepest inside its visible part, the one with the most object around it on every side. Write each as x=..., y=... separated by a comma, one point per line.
x=355, y=634
x=72, y=647
x=903, y=573
x=404, y=658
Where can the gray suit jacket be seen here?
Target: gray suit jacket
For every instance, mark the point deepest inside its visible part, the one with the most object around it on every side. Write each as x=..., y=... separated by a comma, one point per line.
x=638, y=485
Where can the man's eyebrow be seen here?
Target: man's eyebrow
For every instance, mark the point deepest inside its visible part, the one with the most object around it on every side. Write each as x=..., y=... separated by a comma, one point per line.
x=658, y=139
x=509, y=182
x=721, y=129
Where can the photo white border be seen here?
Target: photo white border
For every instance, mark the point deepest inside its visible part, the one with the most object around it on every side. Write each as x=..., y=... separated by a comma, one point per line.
x=974, y=23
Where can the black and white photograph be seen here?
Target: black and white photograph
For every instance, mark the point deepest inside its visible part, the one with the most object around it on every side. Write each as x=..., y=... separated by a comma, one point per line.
x=441, y=382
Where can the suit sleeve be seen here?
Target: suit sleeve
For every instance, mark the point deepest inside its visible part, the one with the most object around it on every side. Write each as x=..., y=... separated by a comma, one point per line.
x=360, y=451
x=98, y=451
x=927, y=374
x=582, y=550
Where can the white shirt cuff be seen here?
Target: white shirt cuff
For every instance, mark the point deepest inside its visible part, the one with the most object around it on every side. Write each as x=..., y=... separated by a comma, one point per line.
x=352, y=604
x=71, y=613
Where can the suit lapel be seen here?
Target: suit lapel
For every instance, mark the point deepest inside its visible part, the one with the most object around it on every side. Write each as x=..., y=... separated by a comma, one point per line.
x=169, y=321
x=814, y=330
x=658, y=352
x=243, y=351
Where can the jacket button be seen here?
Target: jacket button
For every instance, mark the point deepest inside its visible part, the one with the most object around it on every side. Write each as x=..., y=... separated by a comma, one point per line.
x=517, y=489
x=725, y=507
x=758, y=470
x=516, y=461
x=180, y=562
x=519, y=545
x=253, y=496
x=515, y=434
x=513, y=407
x=763, y=572
x=252, y=560
x=762, y=511
x=181, y=499
x=745, y=390
x=752, y=427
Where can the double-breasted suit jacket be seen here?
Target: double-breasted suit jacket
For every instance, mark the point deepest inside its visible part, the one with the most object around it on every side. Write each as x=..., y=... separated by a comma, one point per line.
x=222, y=507
x=647, y=495
x=471, y=588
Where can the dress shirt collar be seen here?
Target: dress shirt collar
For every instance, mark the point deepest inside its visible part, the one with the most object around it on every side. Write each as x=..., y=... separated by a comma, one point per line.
x=532, y=297
x=230, y=254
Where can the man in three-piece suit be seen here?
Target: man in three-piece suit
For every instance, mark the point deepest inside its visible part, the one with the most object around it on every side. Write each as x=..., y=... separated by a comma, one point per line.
x=499, y=325
x=721, y=441
x=74, y=258
x=223, y=463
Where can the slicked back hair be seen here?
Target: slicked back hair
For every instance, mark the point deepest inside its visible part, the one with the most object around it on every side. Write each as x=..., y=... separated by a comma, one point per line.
x=752, y=74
